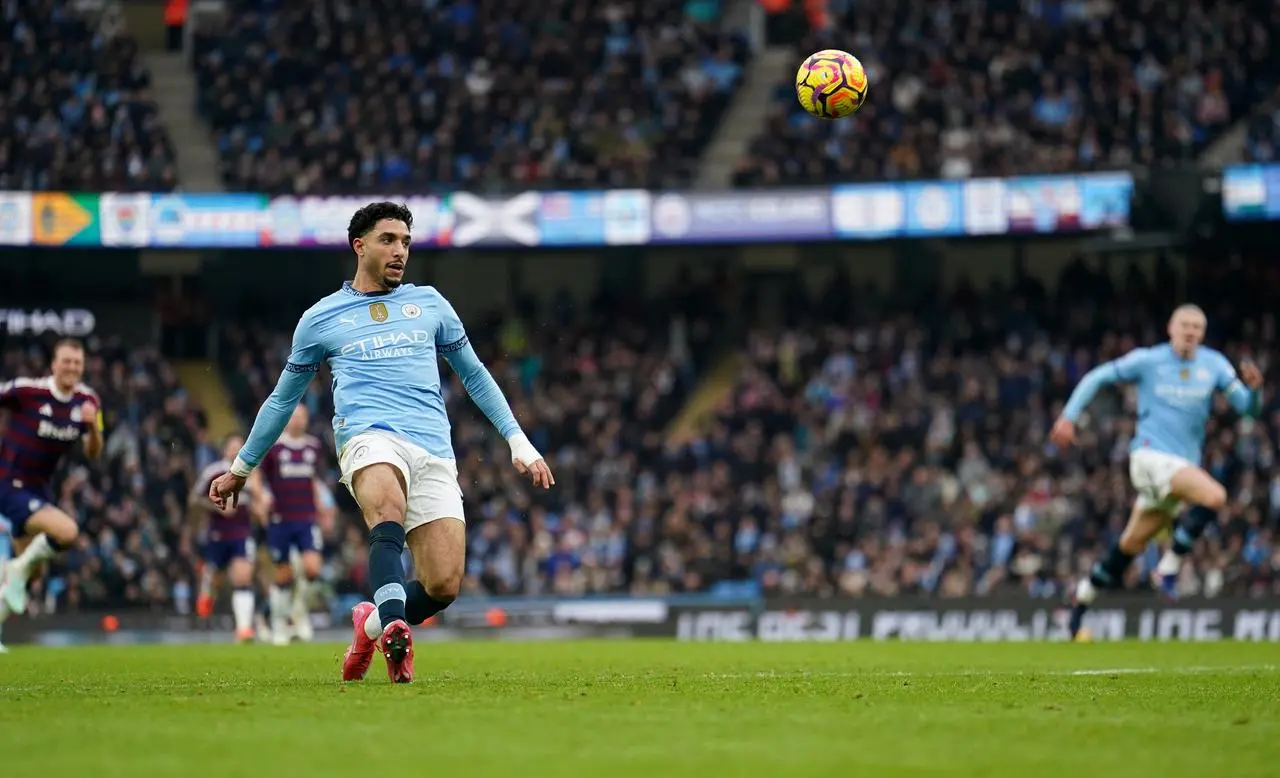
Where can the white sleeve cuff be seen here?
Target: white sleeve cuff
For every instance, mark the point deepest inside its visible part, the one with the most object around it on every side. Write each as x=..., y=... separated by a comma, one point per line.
x=240, y=468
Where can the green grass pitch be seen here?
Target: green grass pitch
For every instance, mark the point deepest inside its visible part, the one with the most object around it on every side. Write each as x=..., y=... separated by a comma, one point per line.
x=652, y=708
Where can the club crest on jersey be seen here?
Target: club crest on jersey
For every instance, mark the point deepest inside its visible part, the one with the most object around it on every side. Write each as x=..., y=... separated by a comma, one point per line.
x=1184, y=374
x=410, y=311
x=378, y=311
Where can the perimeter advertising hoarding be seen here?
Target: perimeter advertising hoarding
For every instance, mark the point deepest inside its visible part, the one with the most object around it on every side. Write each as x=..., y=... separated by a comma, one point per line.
x=1039, y=205
x=989, y=619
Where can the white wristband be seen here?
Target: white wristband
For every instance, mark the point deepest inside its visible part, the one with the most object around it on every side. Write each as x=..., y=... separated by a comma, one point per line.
x=522, y=450
x=240, y=468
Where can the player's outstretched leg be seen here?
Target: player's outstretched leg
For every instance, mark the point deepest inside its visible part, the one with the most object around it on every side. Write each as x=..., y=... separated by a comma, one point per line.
x=53, y=531
x=1108, y=572
x=381, y=494
x=386, y=576
x=1193, y=485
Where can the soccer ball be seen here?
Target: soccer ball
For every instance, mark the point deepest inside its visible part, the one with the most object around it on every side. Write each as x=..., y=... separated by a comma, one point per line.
x=831, y=84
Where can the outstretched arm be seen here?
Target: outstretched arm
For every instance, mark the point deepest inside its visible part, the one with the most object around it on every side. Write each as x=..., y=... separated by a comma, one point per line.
x=481, y=387
x=453, y=344
x=1126, y=369
x=302, y=366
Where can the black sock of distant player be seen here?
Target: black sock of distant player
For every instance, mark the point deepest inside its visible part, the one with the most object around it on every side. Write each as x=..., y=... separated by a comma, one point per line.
x=1108, y=572
x=386, y=572
x=1191, y=527
x=420, y=606
x=1077, y=618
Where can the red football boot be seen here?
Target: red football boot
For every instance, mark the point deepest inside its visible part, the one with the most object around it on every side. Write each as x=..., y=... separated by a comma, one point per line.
x=396, y=645
x=360, y=653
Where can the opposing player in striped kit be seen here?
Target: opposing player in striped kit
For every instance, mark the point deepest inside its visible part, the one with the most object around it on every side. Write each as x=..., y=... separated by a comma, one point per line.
x=228, y=544
x=291, y=503
x=47, y=417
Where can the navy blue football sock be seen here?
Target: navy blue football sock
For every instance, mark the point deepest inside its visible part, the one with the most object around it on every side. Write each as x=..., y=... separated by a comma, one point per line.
x=386, y=572
x=54, y=545
x=1076, y=621
x=420, y=606
x=1108, y=572
x=1191, y=527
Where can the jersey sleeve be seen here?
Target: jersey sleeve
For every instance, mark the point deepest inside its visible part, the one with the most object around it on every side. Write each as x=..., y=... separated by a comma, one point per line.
x=453, y=345
x=308, y=352
x=305, y=358
x=268, y=464
x=1132, y=367
x=1128, y=369
x=451, y=336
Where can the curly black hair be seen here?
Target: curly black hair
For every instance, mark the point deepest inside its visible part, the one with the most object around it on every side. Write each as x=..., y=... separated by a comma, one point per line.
x=364, y=220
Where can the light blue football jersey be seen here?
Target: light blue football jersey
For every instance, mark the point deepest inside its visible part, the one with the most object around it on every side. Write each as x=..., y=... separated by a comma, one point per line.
x=1175, y=395
x=382, y=350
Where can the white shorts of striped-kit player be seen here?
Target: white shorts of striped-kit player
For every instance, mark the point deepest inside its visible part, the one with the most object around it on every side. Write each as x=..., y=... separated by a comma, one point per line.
x=431, y=482
x=1151, y=473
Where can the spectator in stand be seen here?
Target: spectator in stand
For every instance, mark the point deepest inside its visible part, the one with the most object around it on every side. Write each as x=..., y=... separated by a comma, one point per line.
x=470, y=94
x=862, y=451
x=1263, y=139
x=878, y=453
x=1065, y=85
x=76, y=112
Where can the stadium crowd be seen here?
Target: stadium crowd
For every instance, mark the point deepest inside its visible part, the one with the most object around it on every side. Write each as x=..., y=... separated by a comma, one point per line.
x=886, y=452
x=488, y=94
x=76, y=113
x=863, y=451
x=1005, y=88
x=316, y=98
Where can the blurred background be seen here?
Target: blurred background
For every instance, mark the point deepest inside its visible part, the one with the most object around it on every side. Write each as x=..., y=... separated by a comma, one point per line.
x=774, y=361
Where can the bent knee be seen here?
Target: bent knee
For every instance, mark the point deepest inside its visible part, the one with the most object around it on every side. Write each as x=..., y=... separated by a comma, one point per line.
x=1215, y=497
x=443, y=589
x=66, y=536
x=390, y=506
x=59, y=527
x=240, y=572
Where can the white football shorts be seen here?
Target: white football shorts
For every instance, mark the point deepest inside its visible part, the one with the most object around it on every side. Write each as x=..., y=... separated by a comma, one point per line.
x=431, y=482
x=1151, y=472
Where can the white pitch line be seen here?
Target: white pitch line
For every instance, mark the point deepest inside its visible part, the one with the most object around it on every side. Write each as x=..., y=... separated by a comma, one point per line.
x=1086, y=672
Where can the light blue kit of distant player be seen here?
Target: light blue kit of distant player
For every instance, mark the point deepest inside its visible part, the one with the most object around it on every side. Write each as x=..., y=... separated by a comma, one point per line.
x=6, y=551
x=1175, y=396
x=382, y=351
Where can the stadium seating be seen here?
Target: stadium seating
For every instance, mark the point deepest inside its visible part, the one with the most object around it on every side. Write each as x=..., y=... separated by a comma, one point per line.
x=986, y=89
x=75, y=112
x=873, y=450
x=877, y=454
x=1262, y=144
x=471, y=93
x=880, y=454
